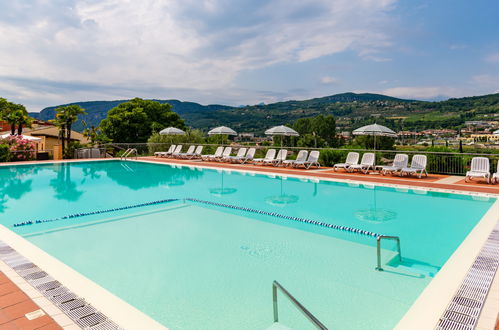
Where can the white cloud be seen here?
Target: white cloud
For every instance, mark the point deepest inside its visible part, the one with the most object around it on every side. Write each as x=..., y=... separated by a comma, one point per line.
x=327, y=80
x=492, y=58
x=487, y=82
x=423, y=92
x=172, y=45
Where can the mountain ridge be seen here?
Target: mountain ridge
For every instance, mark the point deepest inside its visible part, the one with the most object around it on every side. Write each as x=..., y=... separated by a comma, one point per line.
x=349, y=108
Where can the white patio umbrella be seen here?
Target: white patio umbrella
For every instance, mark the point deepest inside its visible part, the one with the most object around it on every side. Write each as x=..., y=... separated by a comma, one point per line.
x=25, y=137
x=281, y=131
x=374, y=130
x=172, y=131
x=222, y=130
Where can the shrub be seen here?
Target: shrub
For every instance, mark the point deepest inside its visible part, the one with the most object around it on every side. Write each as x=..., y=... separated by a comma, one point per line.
x=4, y=153
x=20, y=149
x=330, y=157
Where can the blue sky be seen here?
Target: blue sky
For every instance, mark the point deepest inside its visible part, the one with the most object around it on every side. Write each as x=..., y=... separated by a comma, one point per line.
x=245, y=51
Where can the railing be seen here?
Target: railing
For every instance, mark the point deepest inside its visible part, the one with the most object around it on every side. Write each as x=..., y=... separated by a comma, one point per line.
x=378, y=248
x=128, y=153
x=449, y=163
x=301, y=308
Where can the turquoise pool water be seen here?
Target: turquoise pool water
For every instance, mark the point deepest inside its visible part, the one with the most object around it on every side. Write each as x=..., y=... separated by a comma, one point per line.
x=194, y=266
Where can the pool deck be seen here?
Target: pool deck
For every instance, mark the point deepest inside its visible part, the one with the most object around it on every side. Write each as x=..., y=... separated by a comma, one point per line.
x=16, y=306
x=16, y=302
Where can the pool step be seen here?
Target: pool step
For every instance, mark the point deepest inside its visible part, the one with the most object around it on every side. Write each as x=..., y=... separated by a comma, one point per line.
x=415, y=267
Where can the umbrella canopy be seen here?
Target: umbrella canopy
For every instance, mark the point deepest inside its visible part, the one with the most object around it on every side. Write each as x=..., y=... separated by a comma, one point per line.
x=222, y=130
x=281, y=130
x=172, y=131
x=496, y=132
x=25, y=137
x=375, y=130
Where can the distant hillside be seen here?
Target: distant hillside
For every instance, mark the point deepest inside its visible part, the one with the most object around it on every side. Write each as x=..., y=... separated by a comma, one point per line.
x=97, y=110
x=350, y=109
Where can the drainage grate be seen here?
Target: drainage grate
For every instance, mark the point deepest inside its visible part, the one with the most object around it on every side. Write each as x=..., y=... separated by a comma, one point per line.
x=74, y=307
x=464, y=310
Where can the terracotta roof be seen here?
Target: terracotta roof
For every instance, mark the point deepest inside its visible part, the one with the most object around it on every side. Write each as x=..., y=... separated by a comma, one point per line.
x=53, y=131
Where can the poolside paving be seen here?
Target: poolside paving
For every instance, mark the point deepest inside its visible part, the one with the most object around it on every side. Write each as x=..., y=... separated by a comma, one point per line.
x=15, y=306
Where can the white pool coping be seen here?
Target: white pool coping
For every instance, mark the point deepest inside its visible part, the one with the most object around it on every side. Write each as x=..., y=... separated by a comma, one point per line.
x=426, y=311
x=119, y=311
x=423, y=314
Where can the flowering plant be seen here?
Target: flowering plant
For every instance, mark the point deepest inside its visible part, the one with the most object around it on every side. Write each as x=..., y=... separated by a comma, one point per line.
x=20, y=149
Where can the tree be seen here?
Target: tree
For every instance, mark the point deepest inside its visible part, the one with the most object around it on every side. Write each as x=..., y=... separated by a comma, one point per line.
x=15, y=115
x=317, y=131
x=65, y=117
x=137, y=119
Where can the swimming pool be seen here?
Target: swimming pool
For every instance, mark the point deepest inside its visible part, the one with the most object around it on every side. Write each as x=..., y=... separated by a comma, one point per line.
x=207, y=259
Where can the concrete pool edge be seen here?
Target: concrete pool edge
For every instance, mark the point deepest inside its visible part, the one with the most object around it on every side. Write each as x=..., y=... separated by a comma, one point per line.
x=119, y=311
x=428, y=308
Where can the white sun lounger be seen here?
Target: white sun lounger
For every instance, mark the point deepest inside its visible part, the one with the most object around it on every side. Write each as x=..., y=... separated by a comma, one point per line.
x=495, y=176
x=399, y=162
x=217, y=154
x=313, y=160
x=418, y=166
x=177, y=151
x=165, y=153
x=365, y=165
x=248, y=157
x=301, y=157
x=190, y=152
x=352, y=159
x=480, y=168
x=281, y=156
x=269, y=156
x=240, y=153
x=197, y=154
x=225, y=154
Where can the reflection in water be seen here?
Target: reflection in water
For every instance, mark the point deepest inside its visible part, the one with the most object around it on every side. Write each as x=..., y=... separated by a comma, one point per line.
x=62, y=184
x=282, y=199
x=222, y=190
x=135, y=176
x=375, y=214
x=12, y=183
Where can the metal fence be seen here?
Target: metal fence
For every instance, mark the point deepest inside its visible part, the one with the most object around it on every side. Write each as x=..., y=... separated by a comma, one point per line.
x=438, y=162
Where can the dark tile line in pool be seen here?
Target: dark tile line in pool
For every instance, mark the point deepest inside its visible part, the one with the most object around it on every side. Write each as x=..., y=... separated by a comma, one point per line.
x=282, y=216
x=464, y=309
x=247, y=209
x=83, y=214
x=76, y=308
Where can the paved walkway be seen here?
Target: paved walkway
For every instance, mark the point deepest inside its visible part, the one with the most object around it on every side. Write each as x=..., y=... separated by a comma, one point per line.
x=15, y=307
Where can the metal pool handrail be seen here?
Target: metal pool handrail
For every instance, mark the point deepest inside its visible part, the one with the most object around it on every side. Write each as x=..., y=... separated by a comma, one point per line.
x=128, y=153
x=301, y=308
x=378, y=248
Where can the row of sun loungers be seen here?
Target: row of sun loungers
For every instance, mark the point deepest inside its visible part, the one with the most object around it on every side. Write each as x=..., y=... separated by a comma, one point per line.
x=245, y=155
x=480, y=166
x=399, y=165
x=175, y=151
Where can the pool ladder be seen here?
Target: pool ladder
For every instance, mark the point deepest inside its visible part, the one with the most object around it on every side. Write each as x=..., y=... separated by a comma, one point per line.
x=378, y=248
x=128, y=153
x=276, y=286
